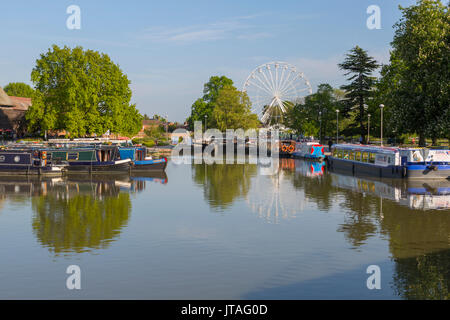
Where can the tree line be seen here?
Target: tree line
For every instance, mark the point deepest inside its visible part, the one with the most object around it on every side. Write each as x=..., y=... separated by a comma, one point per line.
x=413, y=88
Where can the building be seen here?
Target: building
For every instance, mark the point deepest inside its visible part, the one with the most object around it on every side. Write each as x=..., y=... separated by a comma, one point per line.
x=12, y=114
x=148, y=124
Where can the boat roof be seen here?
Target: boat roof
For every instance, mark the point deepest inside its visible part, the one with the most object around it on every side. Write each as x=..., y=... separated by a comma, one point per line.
x=362, y=147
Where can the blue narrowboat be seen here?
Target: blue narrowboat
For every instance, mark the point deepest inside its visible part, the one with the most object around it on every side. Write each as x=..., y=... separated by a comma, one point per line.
x=140, y=161
x=27, y=162
x=309, y=150
x=390, y=162
x=426, y=163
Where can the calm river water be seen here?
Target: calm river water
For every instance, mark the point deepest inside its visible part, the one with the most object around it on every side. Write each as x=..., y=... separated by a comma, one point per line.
x=240, y=231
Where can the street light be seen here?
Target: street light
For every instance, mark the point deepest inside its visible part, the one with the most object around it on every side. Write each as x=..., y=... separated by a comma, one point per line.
x=167, y=128
x=206, y=118
x=381, y=107
x=366, y=107
x=337, y=126
x=320, y=120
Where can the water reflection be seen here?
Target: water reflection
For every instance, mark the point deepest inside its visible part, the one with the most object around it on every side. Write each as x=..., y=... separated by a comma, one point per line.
x=423, y=277
x=223, y=183
x=78, y=214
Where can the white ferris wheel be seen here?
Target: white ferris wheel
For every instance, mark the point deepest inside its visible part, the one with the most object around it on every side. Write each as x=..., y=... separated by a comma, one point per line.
x=272, y=87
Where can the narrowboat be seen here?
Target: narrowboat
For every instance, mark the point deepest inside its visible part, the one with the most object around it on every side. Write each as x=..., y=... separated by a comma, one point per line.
x=309, y=150
x=426, y=163
x=98, y=159
x=140, y=161
x=382, y=162
x=286, y=148
x=388, y=162
x=27, y=162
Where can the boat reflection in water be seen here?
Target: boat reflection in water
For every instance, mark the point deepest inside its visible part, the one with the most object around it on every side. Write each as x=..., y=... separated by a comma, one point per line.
x=424, y=195
x=77, y=214
x=272, y=199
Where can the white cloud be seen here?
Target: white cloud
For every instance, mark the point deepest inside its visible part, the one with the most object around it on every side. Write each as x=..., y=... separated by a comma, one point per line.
x=237, y=28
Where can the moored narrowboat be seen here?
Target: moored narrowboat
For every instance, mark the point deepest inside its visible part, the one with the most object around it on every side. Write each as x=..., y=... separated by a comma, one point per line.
x=382, y=162
x=98, y=159
x=27, y=162
x=390, y=162
x=286, y=148
x=140, y=161
x=426, y=163
x=309, y=150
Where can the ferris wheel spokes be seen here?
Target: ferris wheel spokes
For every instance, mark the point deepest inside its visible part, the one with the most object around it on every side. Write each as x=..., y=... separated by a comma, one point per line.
x=276, y=85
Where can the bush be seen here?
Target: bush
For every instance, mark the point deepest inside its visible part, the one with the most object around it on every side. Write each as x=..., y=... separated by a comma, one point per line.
x=149, y=143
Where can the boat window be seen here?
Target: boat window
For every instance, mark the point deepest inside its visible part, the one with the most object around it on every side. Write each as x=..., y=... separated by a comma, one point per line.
x=365, y=156
x=371, y=157
x=72, y=156
x=358, y=156
x=352, y=155
x=59, y=155
x=335, y=152
x=389, y=159
x=86, y=155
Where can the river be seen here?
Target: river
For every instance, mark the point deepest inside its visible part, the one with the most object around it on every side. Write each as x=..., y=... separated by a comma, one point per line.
x=224, y=231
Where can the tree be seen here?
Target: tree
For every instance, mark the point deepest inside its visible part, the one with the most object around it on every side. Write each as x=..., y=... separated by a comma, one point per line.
x=359, y=66
x=213, y=86
x=233, y=110
x=416, y=83
x=318, y=111
x=18, y=89
x=82, y=92
x=202, y=108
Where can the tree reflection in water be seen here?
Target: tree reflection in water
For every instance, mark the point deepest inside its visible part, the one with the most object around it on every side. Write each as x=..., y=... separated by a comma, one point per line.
x=223, y=183
x=78, y=216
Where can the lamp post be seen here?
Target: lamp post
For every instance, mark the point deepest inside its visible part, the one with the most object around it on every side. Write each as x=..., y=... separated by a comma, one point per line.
x=320, y=120
x=337, y=126
x=206, y=119
x=167, y=128
x=381, y=107
x=366, y=107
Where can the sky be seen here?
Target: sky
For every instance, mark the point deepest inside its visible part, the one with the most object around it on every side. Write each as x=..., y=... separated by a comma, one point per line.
x=169, y=49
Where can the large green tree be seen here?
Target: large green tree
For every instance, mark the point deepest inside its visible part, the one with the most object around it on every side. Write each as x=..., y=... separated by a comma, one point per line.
x=202, y=108
x=232, y=110
x=416, y=83
x=82, y=92
x=359, y=66
x=19, y=89
x=317, y=113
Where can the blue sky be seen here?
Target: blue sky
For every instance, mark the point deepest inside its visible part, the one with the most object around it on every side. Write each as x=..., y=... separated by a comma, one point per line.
x=169, y=49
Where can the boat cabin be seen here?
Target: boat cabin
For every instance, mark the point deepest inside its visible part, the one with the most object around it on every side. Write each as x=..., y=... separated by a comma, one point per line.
x=380, y=156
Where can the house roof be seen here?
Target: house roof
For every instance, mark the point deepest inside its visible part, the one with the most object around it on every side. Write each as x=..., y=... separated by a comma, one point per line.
x=5, y=100
x=20, y=102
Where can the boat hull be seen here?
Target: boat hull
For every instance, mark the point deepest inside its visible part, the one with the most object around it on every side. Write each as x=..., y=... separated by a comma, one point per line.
x=365, y=169
x=149, y=165
x=30, y=170
x=437, y=171
x=102, y=167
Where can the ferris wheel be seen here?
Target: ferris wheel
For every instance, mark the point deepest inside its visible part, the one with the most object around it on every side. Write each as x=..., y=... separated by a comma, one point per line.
x=273, y=87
